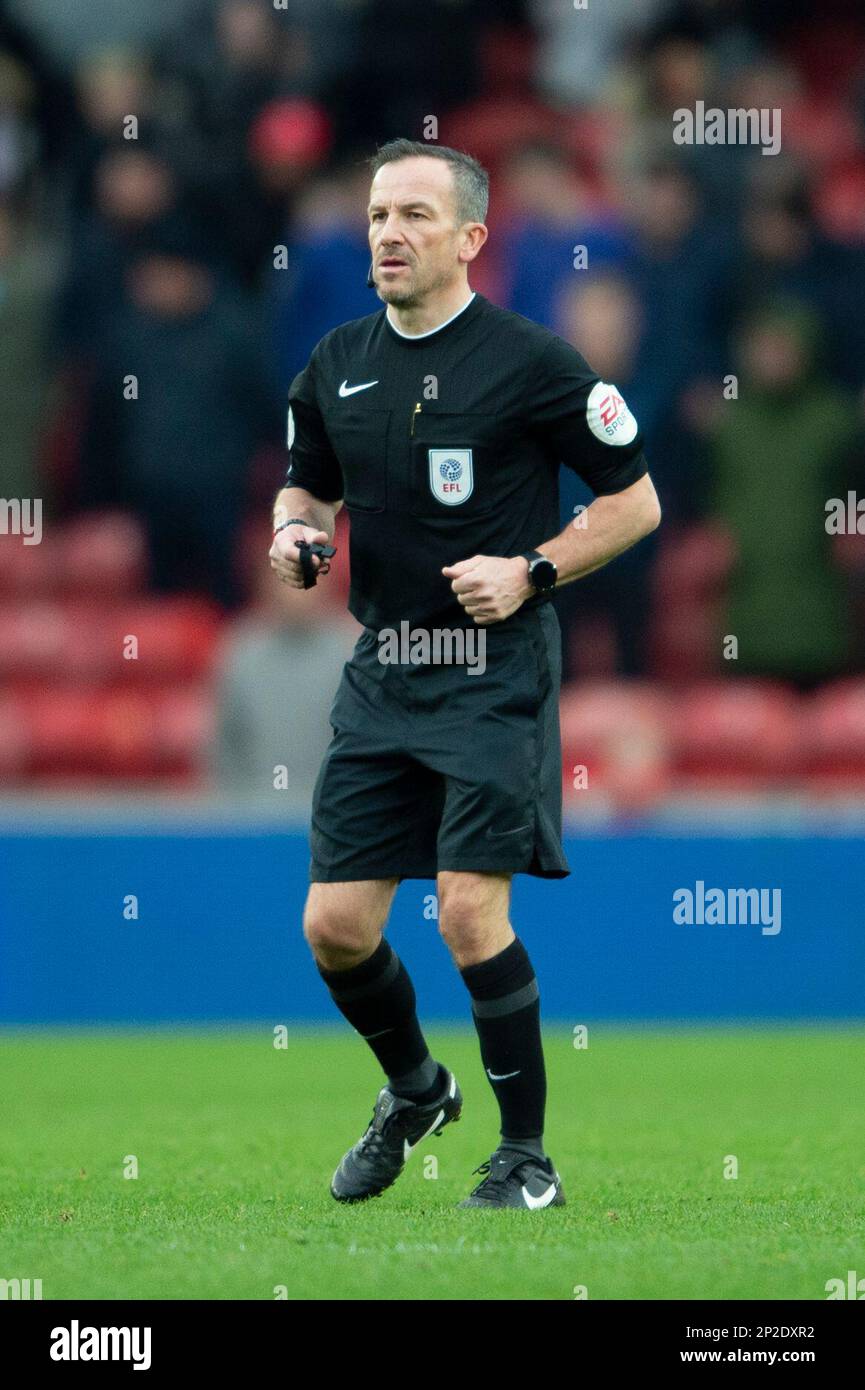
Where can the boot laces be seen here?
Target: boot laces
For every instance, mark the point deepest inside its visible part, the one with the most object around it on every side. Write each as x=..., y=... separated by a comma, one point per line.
x=489, y=1186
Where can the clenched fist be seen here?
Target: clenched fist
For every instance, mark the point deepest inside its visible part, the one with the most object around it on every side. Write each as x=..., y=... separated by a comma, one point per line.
x=490, y=587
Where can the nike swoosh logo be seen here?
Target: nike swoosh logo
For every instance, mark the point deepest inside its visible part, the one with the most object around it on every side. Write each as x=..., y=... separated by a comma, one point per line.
x=346, y=390
x=543, y=1201
x=498, y=834
x=407, y=1147
x=505, y=1077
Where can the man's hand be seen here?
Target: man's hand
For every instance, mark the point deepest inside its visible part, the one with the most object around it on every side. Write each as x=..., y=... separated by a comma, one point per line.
x=285, y=557
x=489, y=587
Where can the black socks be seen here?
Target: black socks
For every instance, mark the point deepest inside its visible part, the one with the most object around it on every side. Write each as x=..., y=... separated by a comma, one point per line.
x=378, y=1000
x=506, y=1011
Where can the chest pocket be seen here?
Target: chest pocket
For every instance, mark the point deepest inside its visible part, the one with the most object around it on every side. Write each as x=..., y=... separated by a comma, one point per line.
x=452, y=464
x=359, y=436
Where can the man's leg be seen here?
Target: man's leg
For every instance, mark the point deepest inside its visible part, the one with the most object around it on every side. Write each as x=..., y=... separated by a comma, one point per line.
x=370, y=986
x=343, y=924
x=495, y=966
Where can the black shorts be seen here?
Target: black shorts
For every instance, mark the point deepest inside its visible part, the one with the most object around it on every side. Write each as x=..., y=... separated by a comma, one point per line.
x=433, y=768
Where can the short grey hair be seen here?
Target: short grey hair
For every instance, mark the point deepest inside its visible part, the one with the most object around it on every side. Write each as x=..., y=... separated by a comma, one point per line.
x=471, y=180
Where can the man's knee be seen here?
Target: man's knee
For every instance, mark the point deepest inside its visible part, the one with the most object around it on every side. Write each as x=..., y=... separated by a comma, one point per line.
x=342, y=927
x=329, y=934
x=473, y=914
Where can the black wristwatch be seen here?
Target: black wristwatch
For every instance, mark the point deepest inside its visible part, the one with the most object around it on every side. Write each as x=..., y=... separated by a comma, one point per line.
x=543, y=573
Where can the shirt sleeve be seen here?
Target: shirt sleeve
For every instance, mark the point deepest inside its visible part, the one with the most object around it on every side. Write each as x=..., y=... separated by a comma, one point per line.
x=312, y=464
x=584, y=421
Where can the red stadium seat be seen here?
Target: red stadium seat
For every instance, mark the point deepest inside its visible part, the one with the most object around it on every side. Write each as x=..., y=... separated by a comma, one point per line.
x=618, y=733
x=126, y=734
x=118, y=734
x=35, y=638
x=683, y=639
x=26, y=570
x=63, y=727
x=174, y=639
x=834, y=731
x=158, y=734
x=103, y=553
x=735, y=730
x=689, y=581
x=694, y=560
x=14, y=739
x=90, y=642
x=98, y=553
x=839, y=201
x=494, y=126
x=185, y=723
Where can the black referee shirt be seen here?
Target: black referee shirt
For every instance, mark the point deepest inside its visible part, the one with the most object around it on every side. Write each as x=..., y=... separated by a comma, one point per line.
x=448, y=445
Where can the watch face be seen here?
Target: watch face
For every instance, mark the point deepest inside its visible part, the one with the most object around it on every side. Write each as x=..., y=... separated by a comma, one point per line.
x=543, y=574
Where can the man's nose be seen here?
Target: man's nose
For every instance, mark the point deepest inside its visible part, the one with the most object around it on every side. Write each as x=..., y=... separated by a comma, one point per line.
x=390, y=230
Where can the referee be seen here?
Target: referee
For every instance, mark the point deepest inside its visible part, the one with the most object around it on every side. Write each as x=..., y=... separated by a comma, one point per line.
x=441, y=422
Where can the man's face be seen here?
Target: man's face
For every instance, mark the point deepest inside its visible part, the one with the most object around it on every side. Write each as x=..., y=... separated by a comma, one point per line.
x=413, y=233
x=170, y=287
x=774, y=356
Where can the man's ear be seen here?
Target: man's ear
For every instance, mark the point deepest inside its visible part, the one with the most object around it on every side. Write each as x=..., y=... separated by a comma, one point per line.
x=474, y=236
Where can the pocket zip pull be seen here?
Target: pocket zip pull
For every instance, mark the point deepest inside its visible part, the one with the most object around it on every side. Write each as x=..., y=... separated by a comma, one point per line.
x=414, y=416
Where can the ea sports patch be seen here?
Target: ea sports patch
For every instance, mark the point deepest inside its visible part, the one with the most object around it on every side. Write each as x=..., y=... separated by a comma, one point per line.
x=451, y=477
x=608, y=417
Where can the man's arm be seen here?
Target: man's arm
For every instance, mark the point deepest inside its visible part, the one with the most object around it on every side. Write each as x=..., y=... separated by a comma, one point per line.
x=608, y=527
x=585, y=423
x=491, y=588
x=296, y=501
x=315, y=524
x=313, y=487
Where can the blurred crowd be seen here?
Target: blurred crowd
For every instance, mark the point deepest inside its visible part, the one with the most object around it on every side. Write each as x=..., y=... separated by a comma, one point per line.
x=182, y=195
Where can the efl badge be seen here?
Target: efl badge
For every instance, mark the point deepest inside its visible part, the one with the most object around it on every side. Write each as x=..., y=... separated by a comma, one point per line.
x=450, y=475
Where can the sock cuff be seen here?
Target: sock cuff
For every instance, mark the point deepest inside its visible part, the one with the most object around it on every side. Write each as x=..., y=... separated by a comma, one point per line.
x=509, y=1003
x=371, y=975
x=509, y=972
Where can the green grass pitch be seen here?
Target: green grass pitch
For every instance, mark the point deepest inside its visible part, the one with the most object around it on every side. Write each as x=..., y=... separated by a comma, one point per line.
x=236, y=1140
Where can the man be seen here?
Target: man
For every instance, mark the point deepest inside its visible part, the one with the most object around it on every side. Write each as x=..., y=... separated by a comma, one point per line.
x=441, y=422
x=279, y=654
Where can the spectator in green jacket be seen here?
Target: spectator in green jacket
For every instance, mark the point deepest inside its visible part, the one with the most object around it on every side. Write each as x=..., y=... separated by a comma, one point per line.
x=26, y=281
x=781, y=451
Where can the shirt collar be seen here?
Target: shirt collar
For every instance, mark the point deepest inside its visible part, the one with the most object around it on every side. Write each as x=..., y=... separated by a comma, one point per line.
x=415, y=337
